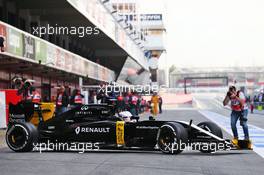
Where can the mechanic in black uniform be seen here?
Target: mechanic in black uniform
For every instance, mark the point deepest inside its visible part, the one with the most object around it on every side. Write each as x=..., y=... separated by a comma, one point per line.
x=24, y=87
x=62, y=101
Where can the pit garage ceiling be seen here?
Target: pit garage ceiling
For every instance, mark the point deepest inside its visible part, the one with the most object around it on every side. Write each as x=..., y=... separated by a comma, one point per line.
x=60, y=12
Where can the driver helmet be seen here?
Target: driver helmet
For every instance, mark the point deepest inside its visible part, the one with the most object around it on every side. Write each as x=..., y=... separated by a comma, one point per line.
x=126, y=115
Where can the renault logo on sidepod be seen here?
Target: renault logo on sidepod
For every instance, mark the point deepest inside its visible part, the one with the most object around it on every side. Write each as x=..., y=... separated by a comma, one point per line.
x=77, y=130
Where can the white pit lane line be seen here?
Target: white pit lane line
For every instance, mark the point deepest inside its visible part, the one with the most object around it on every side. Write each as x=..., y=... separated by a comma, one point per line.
x=256, y=134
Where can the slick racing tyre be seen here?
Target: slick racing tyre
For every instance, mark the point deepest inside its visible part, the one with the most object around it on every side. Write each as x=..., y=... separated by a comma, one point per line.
x=214, y=129
x=172, y=138
x=21, y=137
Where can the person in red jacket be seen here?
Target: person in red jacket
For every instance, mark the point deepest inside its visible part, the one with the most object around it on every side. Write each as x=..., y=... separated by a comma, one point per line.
x=76, y=98
x=133, y=103
x=120, y=103
x=36, y=97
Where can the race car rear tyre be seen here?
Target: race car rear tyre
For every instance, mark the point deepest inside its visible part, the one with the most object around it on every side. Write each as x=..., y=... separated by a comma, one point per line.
x=21, y=137
x=172, y=138
x=214, y=129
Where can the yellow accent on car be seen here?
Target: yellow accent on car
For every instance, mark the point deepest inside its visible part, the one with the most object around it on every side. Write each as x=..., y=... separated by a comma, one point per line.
x=120, y=132
x=13, y=139
x=47, y=110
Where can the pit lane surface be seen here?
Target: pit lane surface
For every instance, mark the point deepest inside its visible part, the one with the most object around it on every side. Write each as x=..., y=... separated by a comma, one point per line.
x=134, y=162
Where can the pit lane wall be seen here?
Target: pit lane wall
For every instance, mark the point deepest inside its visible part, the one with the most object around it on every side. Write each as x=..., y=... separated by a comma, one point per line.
x=24, y=46
x=96, y=12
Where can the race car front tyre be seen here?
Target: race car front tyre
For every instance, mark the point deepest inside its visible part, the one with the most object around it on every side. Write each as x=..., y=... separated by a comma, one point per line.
x=172, y=138
x=21, y=137
x=214, y=129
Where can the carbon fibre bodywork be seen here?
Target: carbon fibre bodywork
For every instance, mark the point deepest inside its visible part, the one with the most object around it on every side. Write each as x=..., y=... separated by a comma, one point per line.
x=99, y=124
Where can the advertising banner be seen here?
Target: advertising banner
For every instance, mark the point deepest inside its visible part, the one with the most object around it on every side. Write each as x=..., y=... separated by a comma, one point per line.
x=91, y=70
x=97, y=14
x=60, y=59
x=86, y=68
x=75, y=64
x=151, y=17
x=41, y=51
x=3, y=35
x=96, y=71
x=14, y=42
x=51, y=52
x=100, y=73
x=94, y=12
x=68, y=62
x=81, y=66
x=121, y=38
x=104, y=74
x=28, y=47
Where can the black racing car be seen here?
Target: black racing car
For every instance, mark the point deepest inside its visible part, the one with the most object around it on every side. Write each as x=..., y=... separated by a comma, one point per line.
x=99, y=125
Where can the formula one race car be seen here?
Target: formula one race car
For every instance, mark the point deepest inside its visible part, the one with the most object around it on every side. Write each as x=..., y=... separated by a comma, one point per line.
x=31, y=124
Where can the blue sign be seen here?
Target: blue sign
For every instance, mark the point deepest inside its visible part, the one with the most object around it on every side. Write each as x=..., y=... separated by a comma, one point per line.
x=151, y=17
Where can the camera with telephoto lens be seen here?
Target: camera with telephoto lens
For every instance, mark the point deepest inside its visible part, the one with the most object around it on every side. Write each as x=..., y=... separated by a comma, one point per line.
x=229, y=94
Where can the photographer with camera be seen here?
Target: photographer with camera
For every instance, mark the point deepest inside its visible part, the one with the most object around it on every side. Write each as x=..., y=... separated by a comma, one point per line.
x=24, y=87
x=239, y=111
